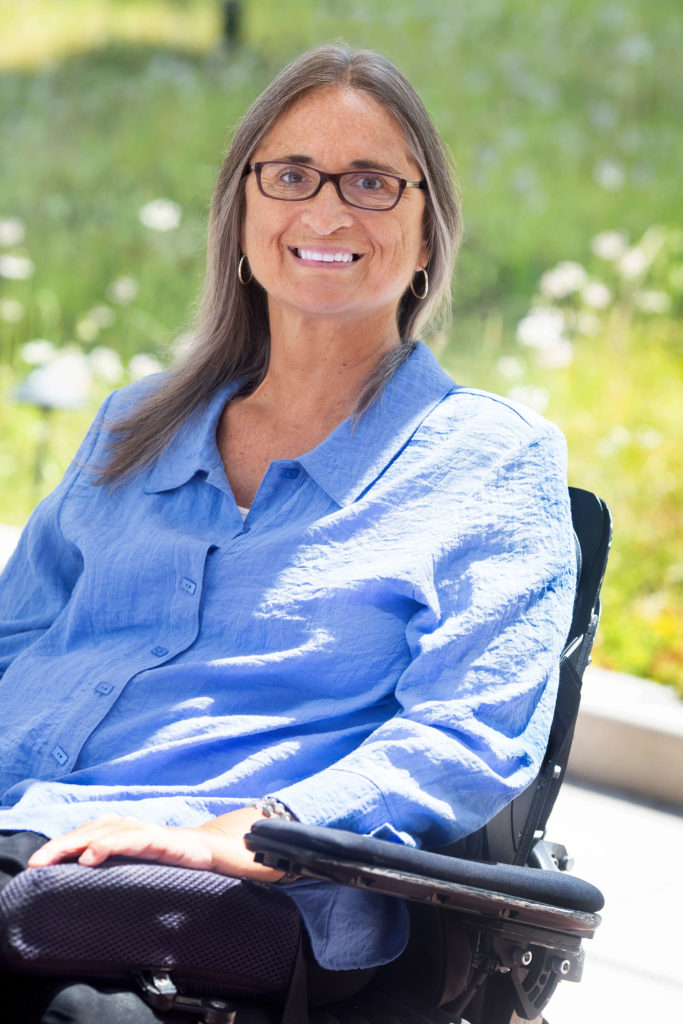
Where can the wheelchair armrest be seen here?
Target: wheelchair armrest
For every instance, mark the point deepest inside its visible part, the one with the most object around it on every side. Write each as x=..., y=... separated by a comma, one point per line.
x=549, y=900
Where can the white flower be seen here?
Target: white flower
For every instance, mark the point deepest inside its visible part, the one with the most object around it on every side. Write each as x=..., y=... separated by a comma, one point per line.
x=603, y=114
x=609, y=175
x=525, y=179
x=510, y=367
x=11, y=310
x=543, y=325
x=87, y=329
x=37, y=352
x=12, y=231
x=16, y=268
x=635, y=49
x=542, y=329
x=61, y=383
x=123, y=290
x=142, y=365
x=609, y=245
x=633, y=263
x=160, y=215
x=103, y=316
x=596, y=294
x=106, y=364
x=535, y=397
x=616, y=439
x=564, y=279
x=556, y=356
x=652, y=302
x=649, y=437
x=588, y=324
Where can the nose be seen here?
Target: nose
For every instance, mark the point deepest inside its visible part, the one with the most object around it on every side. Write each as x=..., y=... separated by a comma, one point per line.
x=326, y=211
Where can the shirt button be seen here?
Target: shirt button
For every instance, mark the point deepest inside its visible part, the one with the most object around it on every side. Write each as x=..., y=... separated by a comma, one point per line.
x=289, y=474
x=188, y=585
x=104, y=688
x=159, y=651
x=60, y=755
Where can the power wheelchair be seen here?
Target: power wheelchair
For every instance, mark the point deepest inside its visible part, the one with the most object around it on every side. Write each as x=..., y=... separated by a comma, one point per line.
x=496, y=922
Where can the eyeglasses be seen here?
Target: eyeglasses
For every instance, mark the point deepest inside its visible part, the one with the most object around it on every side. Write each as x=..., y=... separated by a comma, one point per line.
x=366, y=190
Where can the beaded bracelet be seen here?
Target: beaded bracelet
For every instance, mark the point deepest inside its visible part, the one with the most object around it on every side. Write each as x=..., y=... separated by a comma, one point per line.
x=272, y=808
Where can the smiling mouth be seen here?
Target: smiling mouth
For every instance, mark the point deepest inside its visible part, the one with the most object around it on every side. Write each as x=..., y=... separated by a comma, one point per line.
x=314, y=255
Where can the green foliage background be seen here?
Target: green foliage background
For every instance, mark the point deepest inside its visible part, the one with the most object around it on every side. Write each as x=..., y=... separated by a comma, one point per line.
x=563, y=119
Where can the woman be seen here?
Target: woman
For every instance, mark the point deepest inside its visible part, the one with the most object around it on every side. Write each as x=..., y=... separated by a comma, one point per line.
x=304, y=566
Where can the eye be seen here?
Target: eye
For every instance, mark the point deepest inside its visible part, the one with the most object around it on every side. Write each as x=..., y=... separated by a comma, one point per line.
x=370, y=182
x=291, y=176
x=287, y=181
x=371, y=190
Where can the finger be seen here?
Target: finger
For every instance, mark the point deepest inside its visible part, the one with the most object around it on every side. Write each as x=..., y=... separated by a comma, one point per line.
x=57, y=850
x=72, y=844
x=127, y=839
x=161, y=843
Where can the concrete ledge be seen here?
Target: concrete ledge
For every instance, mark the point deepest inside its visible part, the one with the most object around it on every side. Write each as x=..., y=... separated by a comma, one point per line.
x=629, y=736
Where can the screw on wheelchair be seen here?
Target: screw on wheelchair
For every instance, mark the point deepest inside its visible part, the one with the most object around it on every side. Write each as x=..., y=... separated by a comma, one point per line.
x=158, y=989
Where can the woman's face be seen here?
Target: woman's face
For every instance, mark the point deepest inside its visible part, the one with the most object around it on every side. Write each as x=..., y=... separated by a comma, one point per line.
x=335, y=129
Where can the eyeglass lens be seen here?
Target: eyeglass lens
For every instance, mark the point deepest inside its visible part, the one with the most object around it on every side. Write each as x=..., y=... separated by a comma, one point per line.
x=367, y=189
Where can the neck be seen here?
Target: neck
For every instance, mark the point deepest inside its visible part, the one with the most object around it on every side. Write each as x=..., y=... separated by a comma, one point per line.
x=322, y=363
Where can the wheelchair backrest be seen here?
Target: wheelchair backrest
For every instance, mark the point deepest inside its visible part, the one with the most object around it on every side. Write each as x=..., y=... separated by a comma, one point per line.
x=509, y=836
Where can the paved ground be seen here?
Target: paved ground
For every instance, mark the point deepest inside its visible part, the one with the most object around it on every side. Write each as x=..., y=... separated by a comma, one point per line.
x=632, y=852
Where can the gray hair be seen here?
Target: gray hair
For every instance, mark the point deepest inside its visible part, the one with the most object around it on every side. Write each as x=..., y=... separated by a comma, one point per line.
x=231, y=340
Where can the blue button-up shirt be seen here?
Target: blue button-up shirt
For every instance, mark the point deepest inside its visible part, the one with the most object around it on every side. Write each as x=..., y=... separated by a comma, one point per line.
x=376, y=644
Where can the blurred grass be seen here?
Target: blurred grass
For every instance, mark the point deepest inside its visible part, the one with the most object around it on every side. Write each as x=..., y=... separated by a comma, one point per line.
x=619, y=405
x=39, y=31
x=564, y=121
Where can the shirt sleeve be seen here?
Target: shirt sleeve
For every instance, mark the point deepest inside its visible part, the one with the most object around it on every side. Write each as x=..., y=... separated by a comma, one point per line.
x=477, y=698
x=41, y=573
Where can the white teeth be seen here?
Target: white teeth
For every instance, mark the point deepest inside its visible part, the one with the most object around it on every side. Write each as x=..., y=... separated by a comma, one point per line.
x=325, y=257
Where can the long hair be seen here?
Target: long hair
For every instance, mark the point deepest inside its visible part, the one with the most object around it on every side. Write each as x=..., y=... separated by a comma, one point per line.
x=231, y=339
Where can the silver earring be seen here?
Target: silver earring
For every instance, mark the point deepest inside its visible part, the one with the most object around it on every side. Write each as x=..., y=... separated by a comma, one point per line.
x=426, y=287
x=240, y=265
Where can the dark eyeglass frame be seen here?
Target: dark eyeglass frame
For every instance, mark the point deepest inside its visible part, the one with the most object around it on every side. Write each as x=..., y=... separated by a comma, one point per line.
x=335, y=178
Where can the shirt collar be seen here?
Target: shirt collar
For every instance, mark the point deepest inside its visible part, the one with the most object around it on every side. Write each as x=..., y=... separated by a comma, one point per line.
x=349, y=460
x=194, y=449
x=353, y=456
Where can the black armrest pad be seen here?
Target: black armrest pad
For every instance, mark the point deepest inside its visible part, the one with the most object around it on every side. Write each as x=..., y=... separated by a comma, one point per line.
x=553, y=887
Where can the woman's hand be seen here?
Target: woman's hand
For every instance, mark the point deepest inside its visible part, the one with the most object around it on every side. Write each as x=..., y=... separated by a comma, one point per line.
x=217, y=845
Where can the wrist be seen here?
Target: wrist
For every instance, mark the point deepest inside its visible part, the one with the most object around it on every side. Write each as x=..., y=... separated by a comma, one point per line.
x=270, y=807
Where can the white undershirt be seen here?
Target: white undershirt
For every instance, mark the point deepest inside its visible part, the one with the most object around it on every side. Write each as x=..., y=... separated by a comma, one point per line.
x=244, y=512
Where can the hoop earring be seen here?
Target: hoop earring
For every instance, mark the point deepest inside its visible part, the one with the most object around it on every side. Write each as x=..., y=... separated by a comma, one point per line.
x=426, y=287
x=240, y=265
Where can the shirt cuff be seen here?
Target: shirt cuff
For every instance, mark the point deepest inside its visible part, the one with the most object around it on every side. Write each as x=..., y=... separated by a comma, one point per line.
x=338, y=798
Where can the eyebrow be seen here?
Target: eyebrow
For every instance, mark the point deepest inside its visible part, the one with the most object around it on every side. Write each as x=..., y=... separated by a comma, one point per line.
x=362, y=165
